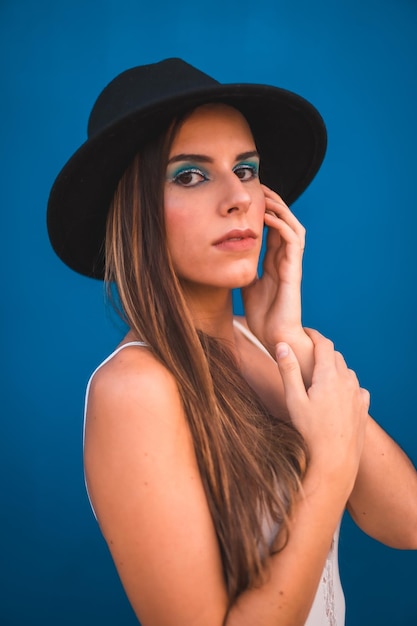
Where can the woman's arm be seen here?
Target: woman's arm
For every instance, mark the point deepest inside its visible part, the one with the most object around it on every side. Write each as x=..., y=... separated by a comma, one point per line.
x=295, y=572
x=384, y=500
x=335, y=447
x=273, y=302
x=146, y=489
x=144, y=484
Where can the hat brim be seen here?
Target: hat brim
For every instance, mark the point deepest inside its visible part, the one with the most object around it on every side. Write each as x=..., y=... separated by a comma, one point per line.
x=289, y=133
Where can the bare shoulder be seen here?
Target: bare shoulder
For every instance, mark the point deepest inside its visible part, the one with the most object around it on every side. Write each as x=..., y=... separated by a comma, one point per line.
x=133, y=370
x=133, y=408
x=145, y=486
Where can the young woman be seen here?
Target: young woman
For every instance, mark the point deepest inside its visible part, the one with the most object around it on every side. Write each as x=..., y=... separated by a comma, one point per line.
x=220, y=453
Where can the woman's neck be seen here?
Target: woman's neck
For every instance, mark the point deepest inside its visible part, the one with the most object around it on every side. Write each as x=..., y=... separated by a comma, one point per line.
x=211, y=310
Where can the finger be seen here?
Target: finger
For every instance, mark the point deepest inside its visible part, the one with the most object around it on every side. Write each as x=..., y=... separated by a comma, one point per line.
x=290, y=373
x=366, y=398
x=269, y=193
x=314, y=335
x=273, y=219
x=324, y=352
x=282, y=210
x=276, y=224
x=340, y=361
x=283, y=254
x=275, y=205
x=328, y=360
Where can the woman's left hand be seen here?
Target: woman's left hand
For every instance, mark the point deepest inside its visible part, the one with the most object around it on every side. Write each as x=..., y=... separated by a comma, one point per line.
x=273, y=302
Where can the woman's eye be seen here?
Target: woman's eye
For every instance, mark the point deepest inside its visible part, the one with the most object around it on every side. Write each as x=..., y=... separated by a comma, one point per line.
x=246, y=171
x=189, y=178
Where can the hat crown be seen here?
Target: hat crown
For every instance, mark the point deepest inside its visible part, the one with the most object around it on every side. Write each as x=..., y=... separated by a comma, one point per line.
x=144, y=86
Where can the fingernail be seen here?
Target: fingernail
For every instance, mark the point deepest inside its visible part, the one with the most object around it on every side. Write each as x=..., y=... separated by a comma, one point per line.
x=282, y=350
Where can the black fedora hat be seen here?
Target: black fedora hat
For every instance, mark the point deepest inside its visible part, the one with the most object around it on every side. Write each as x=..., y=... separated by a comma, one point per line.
x=289, y=134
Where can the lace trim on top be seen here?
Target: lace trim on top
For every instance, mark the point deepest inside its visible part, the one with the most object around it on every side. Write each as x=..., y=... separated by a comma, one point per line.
x=327, y=582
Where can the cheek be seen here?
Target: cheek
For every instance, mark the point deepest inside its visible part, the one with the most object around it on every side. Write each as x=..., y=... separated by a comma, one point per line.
x=181, y=221
x=173, y=216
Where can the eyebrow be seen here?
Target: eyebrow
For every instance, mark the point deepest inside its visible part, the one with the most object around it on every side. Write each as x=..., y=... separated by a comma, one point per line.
x=202, y=158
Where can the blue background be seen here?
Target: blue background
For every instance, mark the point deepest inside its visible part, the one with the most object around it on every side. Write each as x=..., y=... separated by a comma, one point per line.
x=356, y=61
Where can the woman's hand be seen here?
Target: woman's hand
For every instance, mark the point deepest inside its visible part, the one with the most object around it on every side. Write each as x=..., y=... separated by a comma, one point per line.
x=331, y=414
x=273, y=302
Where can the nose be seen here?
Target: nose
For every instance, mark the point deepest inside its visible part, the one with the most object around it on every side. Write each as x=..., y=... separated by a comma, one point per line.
x=234, y=195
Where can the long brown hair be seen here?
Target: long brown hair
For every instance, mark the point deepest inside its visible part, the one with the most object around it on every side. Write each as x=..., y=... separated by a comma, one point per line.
x=250, y=463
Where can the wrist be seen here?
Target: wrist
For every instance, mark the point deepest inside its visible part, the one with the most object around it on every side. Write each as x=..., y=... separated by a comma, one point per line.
x=296, y=337
x=333, y=483
x=303, y=348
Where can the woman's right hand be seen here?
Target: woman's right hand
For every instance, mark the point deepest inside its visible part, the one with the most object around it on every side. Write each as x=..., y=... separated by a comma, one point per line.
x=331, y=414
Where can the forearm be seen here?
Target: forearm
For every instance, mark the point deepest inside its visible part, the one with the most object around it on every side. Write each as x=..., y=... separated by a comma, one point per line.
x=294, y=572
x=384, y=499
x=335, y=447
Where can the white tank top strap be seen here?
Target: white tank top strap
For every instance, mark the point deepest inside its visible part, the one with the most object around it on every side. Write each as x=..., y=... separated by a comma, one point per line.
x=249, y=335
x=125, y=345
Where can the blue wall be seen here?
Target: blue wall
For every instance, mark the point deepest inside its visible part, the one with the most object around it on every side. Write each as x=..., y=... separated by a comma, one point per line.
x=356, y=61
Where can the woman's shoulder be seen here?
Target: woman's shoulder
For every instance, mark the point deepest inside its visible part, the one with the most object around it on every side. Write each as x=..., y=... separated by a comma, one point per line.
x=134, y=417
x=133, y=383
x=138, y=451
x=132, y=363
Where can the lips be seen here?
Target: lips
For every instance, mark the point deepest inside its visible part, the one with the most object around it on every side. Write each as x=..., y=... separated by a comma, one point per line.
x=236, y=235
x=237, y=240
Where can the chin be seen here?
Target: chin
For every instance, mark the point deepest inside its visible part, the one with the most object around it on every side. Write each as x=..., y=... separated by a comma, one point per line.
x=243, y=281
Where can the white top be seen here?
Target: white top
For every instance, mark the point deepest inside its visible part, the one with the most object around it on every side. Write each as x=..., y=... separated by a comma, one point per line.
x=328, y=608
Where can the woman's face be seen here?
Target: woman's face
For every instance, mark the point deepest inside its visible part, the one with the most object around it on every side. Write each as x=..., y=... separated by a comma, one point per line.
x=214, y=203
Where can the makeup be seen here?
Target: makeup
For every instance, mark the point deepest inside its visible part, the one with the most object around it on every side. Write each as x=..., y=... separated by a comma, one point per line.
x=187, y=175
x=250, y=169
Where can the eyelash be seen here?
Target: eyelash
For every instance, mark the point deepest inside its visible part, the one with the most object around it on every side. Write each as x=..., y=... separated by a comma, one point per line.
x=248, y=167
x=187, y=171
x=252, y=168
